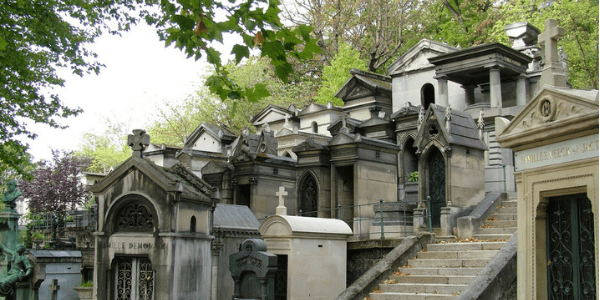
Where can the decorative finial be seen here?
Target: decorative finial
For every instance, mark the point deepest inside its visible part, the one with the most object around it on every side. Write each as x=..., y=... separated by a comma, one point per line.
x=138, y=141
x=421, y=117
x=287, y=121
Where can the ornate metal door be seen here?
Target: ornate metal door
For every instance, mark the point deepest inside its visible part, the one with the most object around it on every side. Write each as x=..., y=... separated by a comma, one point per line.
x=135, y=279
x=437, y=186
x=309, y=200
x=571, y=251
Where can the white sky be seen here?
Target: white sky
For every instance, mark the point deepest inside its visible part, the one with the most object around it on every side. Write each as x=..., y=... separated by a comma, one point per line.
x=140, y=73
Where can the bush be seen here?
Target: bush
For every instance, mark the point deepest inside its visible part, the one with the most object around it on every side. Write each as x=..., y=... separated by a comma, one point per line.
x=413, y=176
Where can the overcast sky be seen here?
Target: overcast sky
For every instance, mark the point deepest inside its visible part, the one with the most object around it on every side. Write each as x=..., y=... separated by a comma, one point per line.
x=140, y=74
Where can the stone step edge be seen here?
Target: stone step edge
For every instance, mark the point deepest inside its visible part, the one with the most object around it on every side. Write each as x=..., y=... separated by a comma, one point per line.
x=411, y=294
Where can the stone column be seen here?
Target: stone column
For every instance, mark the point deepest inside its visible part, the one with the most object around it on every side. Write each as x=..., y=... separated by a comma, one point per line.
x=522, y=83
x=495, y=88
x=469, y=94
x=418, y=219
x=446, y=221
x=442, y=90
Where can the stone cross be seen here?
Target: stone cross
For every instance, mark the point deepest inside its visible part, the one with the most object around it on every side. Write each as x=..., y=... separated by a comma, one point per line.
x=552, y=73
x=287, y=121
x=138, y=141
x=54, y=287
x=281, y=209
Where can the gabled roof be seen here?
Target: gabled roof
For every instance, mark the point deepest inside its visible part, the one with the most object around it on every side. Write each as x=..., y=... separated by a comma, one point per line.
x=407, y=110
x=364, y=84
x=374, y=121
x=224, y=135
x=173, y=179
x=348, y=138
x=273, y=109
x=463, y=130
x=416, y=57
x=309, y=145
x=215, y=166
x=570, y=112
x=316, y=107
x=351, y=124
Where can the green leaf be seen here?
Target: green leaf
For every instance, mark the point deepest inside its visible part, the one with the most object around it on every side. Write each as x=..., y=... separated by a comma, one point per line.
x=213, y=56
x=185, y=23
x=240, y=52
x=259, y=91
x=274, y=50
x=3, y=43
x=283, y=70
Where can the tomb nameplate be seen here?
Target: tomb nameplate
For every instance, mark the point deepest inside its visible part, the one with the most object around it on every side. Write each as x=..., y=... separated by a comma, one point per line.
x=561, y=152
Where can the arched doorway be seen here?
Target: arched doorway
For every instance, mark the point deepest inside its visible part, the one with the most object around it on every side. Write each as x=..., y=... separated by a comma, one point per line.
x=436, y=183
x=410, y=160
x=309, y=197
x=427, y=95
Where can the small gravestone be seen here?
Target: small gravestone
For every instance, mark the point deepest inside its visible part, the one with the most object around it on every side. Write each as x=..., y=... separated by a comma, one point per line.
x=253, y=271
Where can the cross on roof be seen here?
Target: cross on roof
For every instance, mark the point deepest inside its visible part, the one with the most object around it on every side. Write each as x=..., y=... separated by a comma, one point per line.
x=281, y=209
x=138, y=141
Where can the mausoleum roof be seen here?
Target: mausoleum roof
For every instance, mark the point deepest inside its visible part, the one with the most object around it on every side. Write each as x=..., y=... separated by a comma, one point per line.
x=463, y=130
x=290, y=226
x=363, y=84
x=229, y=216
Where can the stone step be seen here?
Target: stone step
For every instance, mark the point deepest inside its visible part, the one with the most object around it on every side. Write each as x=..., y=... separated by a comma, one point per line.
x=509, y=203
x=503, y=216
x=440, y=271
x=492, y=237
x=506, y=210
x=447, y=263
x=422, y=288
x=445, y=239
x=435, y=279
x=465, y=246
x=501, y=223
x=473, y=254
x=410, y=296
x=498, y=230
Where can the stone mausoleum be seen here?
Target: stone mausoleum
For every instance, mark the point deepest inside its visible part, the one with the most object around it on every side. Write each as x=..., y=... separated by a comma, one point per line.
x=430, y=143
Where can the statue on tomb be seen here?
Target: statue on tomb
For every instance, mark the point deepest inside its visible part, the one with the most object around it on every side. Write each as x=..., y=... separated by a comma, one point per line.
x=480, y=125
x=19, y=268
x=11, y=195
x=563, y=60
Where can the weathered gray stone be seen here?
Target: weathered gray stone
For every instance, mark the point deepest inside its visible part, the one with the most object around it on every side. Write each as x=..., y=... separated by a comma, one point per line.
x=253, y=271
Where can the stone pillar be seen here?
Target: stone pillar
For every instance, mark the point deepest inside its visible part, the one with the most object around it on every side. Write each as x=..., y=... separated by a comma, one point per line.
x=495, y=88
x=469, y=94
x=522, y=83
x=442, y=90
x=446, y=221
x=9, y=229
x=418, y=219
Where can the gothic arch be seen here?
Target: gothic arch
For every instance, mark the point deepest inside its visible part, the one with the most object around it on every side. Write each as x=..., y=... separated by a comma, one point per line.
x=308, y=195
x=433, y=169
x=409, y=159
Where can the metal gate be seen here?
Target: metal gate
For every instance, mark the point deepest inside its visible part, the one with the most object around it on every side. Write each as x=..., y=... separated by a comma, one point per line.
x=281, y=277
x=437, y=186
x=571, y=250
x=134, y=279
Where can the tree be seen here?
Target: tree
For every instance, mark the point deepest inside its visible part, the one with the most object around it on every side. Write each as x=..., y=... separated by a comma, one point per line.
x=106, y=150
x=379, y=29
x=337, y=74
x=580, y=21
x=175, y=122
x=56, y=185
x=37, y=37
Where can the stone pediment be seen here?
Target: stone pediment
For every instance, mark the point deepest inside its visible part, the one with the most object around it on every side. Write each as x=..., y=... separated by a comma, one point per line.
x=408, y=110
x=364, y=84
x=312, y=108
x=342, y=139
x=552, y=109
x=267, y=143
x=416, y=58
x=309, y=145
x=271, y=113
x=175, y=179
x=216, y=132
x=374, y=121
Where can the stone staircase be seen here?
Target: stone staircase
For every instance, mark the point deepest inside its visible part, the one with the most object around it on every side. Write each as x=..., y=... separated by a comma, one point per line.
x=445, y=269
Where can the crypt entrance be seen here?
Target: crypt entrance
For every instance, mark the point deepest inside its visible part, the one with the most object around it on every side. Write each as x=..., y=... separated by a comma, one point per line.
x=570, y=248
x=133, y=278
x=436, y=184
